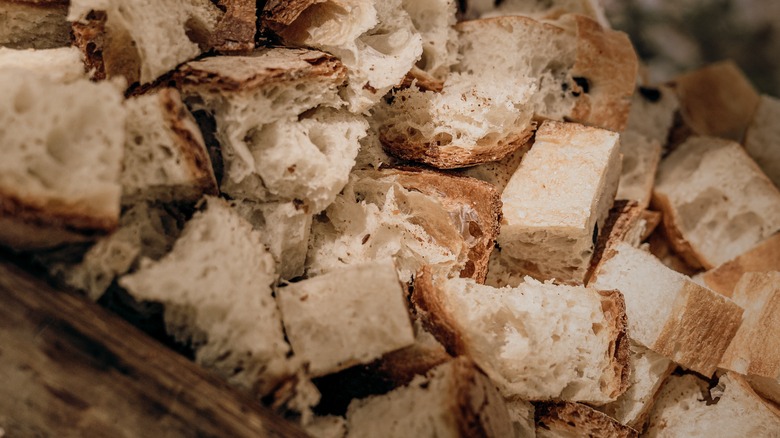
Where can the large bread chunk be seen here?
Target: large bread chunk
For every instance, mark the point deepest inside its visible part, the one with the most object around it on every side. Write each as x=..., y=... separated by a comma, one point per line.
x=538, y=9
x=34, y=24
x=762, y=140
x=59, y=176
x=557, y=239
x=62, y=64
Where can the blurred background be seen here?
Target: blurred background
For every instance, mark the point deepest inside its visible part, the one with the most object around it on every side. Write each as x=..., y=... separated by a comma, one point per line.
x=673, y=36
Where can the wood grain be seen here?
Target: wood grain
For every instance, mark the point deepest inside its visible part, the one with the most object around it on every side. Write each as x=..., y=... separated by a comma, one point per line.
x=70, y=368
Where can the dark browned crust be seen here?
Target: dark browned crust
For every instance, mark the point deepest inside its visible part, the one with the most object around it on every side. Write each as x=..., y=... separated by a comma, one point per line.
x=235, y=31
x=89, y=37
x=614, y=307
x=426, y=297
x=763, y=257
x=109, y=50
x=278, y=14
x=623, y=217
x=481, y=410
x=575, y=419
x=401, y=366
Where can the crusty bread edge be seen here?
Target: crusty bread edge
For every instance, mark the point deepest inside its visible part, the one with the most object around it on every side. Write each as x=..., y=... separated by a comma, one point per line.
x=580, y=420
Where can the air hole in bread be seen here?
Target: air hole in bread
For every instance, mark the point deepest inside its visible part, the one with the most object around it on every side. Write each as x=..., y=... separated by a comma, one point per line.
x=23, y=100
x=650, y=94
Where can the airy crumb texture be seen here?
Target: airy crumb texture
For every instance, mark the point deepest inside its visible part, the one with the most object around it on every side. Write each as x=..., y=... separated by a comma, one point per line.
x=640, y=161
x=216, y=288
x=764, y=257
x=62, y=64
x=59, y=176
x=435, y=21
x=555, y=420
x=556, y=239
x=453, y=399
x=717, y=203
x=346, y=317
x=762, y=140
x=34, y=25
x=538, y=9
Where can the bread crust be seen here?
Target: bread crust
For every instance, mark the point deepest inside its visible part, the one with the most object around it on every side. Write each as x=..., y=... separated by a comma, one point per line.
x=278, y=14
x=575, y=419
x=433, y=313
x=89, y=37
x=622, y=220
x=614, y=307
x=482, y=411
x=764, y=257
x=235, y=31
x=681, y=246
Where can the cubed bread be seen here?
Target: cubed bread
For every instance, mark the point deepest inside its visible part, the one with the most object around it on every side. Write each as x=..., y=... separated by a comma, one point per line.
x=455, y=399
x=640, y=162
x=624, y=224
x=653, y=110
x=667, y=312
x=536, y=341
x=556, y=239
x=216, y=288
x=435, y=21
x=346, y=317
x=763, y=257
x=555, y=420
x=717, y=203
x=762, y=140
x=59, y=176
x=755, y=350
x=62, y=64
x=165, y=157
x=34, y=24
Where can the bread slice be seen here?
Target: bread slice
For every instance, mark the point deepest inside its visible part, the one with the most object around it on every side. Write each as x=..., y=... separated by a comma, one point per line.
x=575, y=419
x=236, y=29
x=763, y=137
x=216, y=288
x=716, y=100
x=649, y=370
x=667, y=312
x=755, y=350
x=537, y=341
x=764, y=257
x=62, y=64
x=454, y=400
x=34, y=24
x=653, y=110
x=538, y=9
x=165, y=156
x=417, y=217
x=685, y=407
x=376, y=40
x=346, y=317
x=59, y=176
x=640, y=161
x=556, y=239
x=716, y=202
x=144, y=40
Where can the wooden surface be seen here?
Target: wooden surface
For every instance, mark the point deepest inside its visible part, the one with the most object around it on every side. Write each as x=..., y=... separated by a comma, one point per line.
x=70, y=368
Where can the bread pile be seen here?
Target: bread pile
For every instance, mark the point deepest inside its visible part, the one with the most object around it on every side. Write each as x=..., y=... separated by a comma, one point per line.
x=402, y=218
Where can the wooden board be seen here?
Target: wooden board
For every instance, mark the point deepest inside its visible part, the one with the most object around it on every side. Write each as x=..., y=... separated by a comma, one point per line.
x=70, y=368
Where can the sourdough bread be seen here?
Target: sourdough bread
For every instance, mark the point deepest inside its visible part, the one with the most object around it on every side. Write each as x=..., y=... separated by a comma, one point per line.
x=61, y=64
x=577, y=420
x=762, y=140
x=640, y=162
x=763, y=257
x=34, y=24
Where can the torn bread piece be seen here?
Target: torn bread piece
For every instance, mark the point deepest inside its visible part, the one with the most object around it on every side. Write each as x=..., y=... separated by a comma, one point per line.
x=61, y=64
x=454, y=399
x=165, y=157
x=762, y=140
x=418, y=217
x=235, y=31
x=653, y=110
x=59, y=176
x=345, y=317
x=755, y=350
x=640, y=161
x=566, y=419
x=376, y=40
x=545, y=10
x=556, y=239
x=216, y=288
x=717, y=203
x=435, y=21
x=34, y=24
x=141, y=41
x=686, y=407
x=667, y=312
x=537, y=341
x=764, y=257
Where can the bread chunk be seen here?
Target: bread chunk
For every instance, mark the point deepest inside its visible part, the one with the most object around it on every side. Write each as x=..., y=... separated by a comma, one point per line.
x=667, y=312
x=764, y=257
x=236, y=29
x=61, y=64
x=454, y=400
x=762, y=140
x=640, y=162
x=716, y=202
x=34, y=24
x=346, y=317
x=536, y=341
x=653, y=110
x=556, y=239
x=575, y=419
x=544, y=10
x=59, y=176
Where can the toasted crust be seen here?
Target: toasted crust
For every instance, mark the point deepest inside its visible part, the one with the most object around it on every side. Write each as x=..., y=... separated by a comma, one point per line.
x=575, y=419
x=89, y=37
x=607, y=61
x=621, y=223
x=278, y=14
x=235, y=32
x=614, y=307
x=425, y=81
x=434, y=315
x=764, y=257
x=481, y=409
x=675, y=238
x=107, y=51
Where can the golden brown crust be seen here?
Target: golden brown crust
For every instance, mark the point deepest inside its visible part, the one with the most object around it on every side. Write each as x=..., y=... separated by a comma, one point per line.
x=681, y=246
x=481, y=410
x=614, y=307
x=89, y=37
x=652, y=220
x=763, y=257
x=426, y=297
x=235, y=31
x=424, y=81
x=401, y=366
x=278, y=14
x=575, y=419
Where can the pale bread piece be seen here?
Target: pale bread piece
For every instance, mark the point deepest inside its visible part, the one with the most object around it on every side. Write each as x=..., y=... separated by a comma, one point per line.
x=435, y=21
x=558, y=420
x=649, y=370
x=216, y=288
x=142, y=40
x=653, y=110
x=716, y=201
x=640, y=161
x=556, y=239
x=522, y=414
x=762, y=140
x=667, y=312
x=716, y=100
x=755, y=350
x=502, y=271
x=59, y=176
x=329, y=426
x=416, y=216
x=34, y=24
x=537, y=341
x=285, y=228
x=376, y=40
x=236, y=29
x=454, y=399
x=549, y=10
x=684, y=408
x=346, y=317
x=61, y=64
x=165, y=157
x=763, y=257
